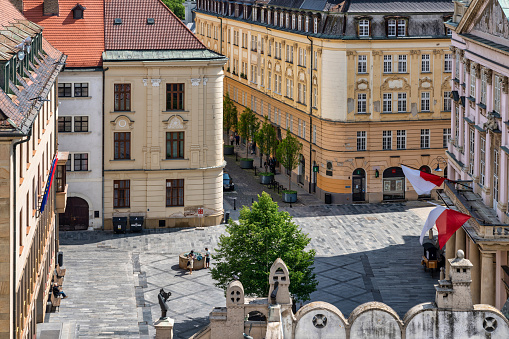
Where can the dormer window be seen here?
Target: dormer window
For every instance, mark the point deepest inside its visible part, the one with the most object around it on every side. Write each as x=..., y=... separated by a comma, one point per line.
x=287, y=20
x=117, y=21
x=396, y=27
x=299, y=23
x=77, y=12
x=364, y=27
x=262, y=16
x=275, y=18
x=293, y=21
x=281, y=20
x=307, y=24
x=315, y=25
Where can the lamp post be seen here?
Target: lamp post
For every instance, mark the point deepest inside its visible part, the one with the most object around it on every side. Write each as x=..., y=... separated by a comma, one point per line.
x=439, y=160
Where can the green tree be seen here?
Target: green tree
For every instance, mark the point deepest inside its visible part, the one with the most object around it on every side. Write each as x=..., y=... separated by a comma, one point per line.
x=249, y=248
x=229, y=114
x=177, y=7
x=247, y=127
x=266, y=138
x=288, y=153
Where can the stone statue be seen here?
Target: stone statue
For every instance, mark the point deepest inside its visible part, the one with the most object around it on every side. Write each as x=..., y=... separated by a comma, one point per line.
x=273, y=295
x=163, y=298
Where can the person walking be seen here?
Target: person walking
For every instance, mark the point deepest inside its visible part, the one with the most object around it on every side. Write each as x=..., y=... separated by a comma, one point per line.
x=237, y=139
x=207, y=258
x=231, y=140
x=190, y=261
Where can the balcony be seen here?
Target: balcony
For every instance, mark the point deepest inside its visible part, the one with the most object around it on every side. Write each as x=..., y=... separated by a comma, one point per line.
x=61, y=200
x=484, y=224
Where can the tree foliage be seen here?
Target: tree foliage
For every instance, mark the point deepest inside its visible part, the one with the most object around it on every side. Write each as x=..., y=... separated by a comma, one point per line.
x=288, y=153
x=247, y=126
x=262, y=235
x=266, y=139
x=177, y=7
x=229, y=114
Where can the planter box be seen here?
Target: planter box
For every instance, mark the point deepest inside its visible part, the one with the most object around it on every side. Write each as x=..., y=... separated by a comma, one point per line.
x=246, y=164
x=290, y=197
x=266, y=179
x=228, y=150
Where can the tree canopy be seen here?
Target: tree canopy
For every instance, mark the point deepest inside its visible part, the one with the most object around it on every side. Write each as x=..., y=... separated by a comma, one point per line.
x=288, y=153
x=266, y=138
x=177, y=7
x=229, y=114
x=247, y=126
x=250, y=246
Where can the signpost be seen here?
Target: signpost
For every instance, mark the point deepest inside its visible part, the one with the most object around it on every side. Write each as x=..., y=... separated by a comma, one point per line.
x=200, y=215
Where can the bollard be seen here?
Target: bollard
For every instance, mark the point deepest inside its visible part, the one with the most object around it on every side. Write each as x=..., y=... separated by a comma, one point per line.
x=234, y=204
x=235, y=156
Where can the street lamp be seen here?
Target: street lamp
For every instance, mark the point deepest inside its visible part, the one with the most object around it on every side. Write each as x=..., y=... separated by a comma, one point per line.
x=440, y=159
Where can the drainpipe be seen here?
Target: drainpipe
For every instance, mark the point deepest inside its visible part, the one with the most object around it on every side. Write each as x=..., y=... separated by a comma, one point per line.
x=311, y=118
x=102, y=151
x=221, y=41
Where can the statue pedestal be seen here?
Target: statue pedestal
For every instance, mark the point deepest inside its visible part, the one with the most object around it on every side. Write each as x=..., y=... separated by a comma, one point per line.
x=164, y=328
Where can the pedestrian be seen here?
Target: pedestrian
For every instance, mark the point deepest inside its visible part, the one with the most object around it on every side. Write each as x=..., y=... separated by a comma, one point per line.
x=231, y=140
x=207, y=258
x=190, y=261
x=237, y=139
x=57, y=292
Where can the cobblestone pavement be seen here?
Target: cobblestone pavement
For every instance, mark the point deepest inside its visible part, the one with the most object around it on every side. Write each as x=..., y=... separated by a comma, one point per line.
x=364, y=253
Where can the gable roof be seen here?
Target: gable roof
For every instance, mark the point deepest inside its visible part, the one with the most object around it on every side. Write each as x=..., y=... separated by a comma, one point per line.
x=81, y=39
x=134, y=33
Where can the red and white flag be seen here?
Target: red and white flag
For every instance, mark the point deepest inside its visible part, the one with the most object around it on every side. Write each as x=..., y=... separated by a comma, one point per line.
x=422, y=182
x=447, y=221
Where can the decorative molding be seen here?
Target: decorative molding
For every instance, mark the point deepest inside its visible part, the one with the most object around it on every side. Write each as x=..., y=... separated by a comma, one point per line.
x=462, y=53
x=505, y=85
x=477, y=69
x=489, y=75
x=446, y=85
x=175, y=122
x=377, y=53
x=438, y=51
x=491, y=124
x=122, y=122
x=362, y=85
x=144, y=82
x=415, y=52
x=395, y=82
x=155, y=82
x=195, y=82
x=350, y=53
x=425, y=80
x=205, y=81
x=452, y=48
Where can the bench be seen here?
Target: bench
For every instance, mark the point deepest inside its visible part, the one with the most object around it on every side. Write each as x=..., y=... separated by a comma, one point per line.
x=55, y=302
x=57, y=279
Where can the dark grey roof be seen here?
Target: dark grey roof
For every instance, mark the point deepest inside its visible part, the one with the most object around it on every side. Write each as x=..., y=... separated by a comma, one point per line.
x=486, y=42
x=313, y=5
x=400, y=6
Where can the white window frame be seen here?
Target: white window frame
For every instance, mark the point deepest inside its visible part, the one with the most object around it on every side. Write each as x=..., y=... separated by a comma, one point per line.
x=425, y=63
x=472, y=82
x=425, y=138
x=446, y=137
x=448, y=63
x=314, y=134
x=391, y=27
x=387, y=63
x=362, y=64
x=387, y=103
x=364, y=28
x=361, y=140
x=362, y=102
x=482, y=161
x=425, y=101
x=402, y=102
x=401, y=139
x=386, y=140
x=447, y=102
x=402, y=63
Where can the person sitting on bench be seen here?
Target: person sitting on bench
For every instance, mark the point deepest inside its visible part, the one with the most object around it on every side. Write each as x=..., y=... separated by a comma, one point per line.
x=57, y=292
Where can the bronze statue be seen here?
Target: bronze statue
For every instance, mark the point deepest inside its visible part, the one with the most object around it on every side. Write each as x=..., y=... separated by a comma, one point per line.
x=163, y=298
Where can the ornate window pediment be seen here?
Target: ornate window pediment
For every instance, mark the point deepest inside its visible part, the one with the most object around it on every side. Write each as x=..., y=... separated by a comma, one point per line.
x=395, y=83
x=175, y=122
x=122, y=122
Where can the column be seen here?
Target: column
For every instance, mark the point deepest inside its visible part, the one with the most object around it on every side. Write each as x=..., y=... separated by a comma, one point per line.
x=460, y=240
x=500, y=295
x=473, y=256
x=450, y=247
x=487, y=278
x=488, y=170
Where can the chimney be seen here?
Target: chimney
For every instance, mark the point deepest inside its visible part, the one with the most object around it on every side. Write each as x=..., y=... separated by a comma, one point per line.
x=50, y=7
x=18, y=4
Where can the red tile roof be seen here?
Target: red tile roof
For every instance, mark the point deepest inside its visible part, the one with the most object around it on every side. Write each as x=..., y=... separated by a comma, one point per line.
x=9, y=13
x=82, y=39
x=167, y=32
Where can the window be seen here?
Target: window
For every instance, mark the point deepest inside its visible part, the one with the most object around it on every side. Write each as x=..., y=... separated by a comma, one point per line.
x=387, y=140
x=457, y=125
x=361, y=103
x=269, y=80
x=262, y=77
x=425, y=63
x=447, y=101
x=482, y=160
x=174, y=145
x=122, y=145
x=425, y=101
x=293, y=21
x=81, y=89
x=402, y=102
x=300, y=128
x=80, y=124
x=122, y=97
x=387, y=102
x=254, y=43
x=307, y=24
x=424, y=138
x=471, y=151
x=254, y=74
x=174, y=192
x=315, y=96
x=80, y=162
x=302, y=57
x=299, y=23
x=65, y=90
x=315, y=62
x=121, y=193
x=446, y=137
x=402, y=64
x=362, y=64
x=401, y=139
x=391, y=27
x=472, y=82
x=387, y=63
x=289, y=88
x=497, y=94
x=361, y=140
x=496, y=168
x=65, y=124
x=364, y=27
x=174, y=97
x=281, y=20
x=401, y=27
x=302, y=93
x=448, y=63
x=484, y=84
x=315, y=25
x=457, y=66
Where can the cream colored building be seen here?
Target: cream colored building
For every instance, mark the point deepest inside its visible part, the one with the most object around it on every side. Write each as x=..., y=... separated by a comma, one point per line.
x=163, y=157
x=479, y=153
x=376, y=96
x=32, y=179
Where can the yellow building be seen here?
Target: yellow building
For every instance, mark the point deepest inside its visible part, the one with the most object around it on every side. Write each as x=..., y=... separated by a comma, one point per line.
x=32, y=172
x=365, y=87
x=163, y=157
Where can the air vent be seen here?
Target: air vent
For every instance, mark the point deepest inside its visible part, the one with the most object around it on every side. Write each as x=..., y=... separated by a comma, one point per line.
x=150, y=21
x=117, y=21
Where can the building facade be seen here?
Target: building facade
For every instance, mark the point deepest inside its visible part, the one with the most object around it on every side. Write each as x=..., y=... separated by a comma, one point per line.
x=364, y=87
x=80, y=95
x=478, y=153
x=163, y=157
x=32, y=172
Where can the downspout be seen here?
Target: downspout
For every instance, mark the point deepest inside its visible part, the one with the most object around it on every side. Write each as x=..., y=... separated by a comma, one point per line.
x=221, y=41
x=310, y=117
x=102, y=149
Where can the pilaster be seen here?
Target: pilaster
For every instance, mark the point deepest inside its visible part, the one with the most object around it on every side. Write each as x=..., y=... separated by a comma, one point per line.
x=487, y=278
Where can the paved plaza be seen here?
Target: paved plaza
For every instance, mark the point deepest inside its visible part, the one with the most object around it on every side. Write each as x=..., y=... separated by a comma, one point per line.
x=364, y=253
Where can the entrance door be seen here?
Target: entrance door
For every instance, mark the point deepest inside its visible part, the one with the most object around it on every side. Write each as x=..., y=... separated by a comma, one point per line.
x=358, y=185
x=75, y=217
x=302, y=169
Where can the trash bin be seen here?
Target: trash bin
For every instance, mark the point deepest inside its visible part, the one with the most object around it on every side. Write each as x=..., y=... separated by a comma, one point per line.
x=226, y=216
x=328, y=198
x=136, y=223
x=60, y=259
x=119, y=224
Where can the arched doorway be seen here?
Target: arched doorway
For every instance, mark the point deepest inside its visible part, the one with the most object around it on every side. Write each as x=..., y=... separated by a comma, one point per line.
x=393, y=184
x=75, y=217
x=302, y=169
x=359, y=185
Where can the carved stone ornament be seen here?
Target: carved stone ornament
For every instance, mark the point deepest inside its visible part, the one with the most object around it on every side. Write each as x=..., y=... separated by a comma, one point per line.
x=462, y=53
x=377, y=53
x=489, y=75
x=175, y=122
x=438, y=51
x=144, y=82
x=425, y=83
x=362, y=85
x=195, y=82
x=505, y=85
x=452, y=48
x=395, y=82
x=122, y=122
x=415, y=52
x=491, y=124
x=320, y=321
x=477, y=69
x=205, y=81
x=155, y=82
x=350, y=53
